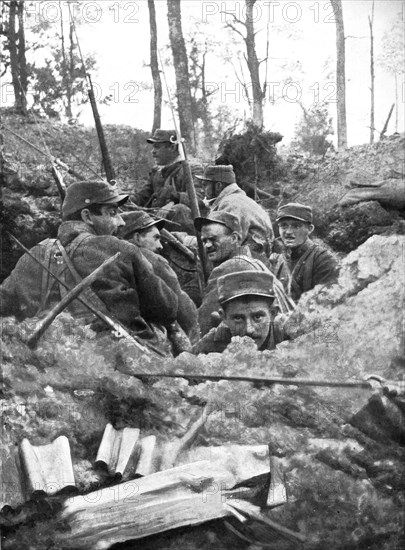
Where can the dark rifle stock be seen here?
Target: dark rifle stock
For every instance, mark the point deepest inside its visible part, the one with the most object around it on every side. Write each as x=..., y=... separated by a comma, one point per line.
x=109, y=320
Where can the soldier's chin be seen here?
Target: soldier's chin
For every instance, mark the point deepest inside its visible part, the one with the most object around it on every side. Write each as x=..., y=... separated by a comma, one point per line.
x=289, y=242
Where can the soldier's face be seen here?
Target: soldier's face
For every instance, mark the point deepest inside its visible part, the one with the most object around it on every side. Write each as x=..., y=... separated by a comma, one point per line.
x=293, y=232
x=249, y=316
x=149, y=239
x=107, y=222
x=219, y=243
x=212, y=189
x=164, y=153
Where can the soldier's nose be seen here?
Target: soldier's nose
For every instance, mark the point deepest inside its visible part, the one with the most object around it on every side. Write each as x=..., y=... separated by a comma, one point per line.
x=120, y=221
x=249, y=328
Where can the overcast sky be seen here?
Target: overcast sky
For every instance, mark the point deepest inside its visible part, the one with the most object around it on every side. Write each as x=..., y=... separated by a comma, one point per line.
x=302, y=47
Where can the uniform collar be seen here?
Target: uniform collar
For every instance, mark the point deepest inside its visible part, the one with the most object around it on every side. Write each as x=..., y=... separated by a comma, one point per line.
x=295, y=253
x=69, y=230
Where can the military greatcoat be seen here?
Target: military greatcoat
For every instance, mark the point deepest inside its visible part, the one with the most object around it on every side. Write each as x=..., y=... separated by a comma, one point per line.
x=128, y=288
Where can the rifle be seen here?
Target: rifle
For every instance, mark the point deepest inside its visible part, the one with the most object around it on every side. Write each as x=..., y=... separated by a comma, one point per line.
x=108, y=167
x=55, y=162
x=192, y=195
x=66, y=300
x=118, y=329
x=371, y=382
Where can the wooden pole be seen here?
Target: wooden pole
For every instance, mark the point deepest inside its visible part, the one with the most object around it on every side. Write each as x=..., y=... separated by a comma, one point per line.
x=70, y=296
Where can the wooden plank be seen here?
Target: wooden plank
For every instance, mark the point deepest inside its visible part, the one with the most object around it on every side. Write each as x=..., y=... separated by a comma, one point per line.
x=185, y=495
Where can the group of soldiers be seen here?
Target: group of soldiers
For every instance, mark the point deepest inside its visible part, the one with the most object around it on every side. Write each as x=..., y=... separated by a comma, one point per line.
x=154, y=289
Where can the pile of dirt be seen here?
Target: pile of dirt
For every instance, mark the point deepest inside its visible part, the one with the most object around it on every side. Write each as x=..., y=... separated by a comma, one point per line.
x=30, y=207
x=323, y=182
x=340, y=452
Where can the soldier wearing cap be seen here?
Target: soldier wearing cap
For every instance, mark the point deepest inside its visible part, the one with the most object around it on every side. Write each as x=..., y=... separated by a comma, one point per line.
x=128, y=288
x=166, y=185
x=221, y=235
x=144, y=231
x=246, y=299
x=310, y=264
x=224, y=194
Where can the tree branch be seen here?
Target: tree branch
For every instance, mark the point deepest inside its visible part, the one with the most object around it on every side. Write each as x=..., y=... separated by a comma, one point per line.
x=230, y=26
x=234, y=17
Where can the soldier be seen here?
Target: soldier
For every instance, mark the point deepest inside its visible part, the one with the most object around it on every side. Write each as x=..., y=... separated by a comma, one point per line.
x=221, y=234
x=166, y=186
x=144, y=231
x=128, y=288
x=309, y=263
x=223, y=194
x=246, y=299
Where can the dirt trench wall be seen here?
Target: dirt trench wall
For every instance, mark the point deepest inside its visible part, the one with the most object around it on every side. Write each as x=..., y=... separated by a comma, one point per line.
x=341, y=457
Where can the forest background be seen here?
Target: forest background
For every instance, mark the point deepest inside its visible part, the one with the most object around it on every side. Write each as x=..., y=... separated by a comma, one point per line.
x=295, y=43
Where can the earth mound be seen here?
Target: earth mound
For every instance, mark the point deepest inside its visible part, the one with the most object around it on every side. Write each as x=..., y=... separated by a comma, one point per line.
x=340, y=450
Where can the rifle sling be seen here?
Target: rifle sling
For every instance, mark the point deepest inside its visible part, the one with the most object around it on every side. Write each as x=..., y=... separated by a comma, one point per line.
x=89, y=293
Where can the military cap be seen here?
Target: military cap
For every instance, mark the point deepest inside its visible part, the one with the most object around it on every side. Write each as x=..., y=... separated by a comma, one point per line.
x=138, y=221
x=295, y=210
x=223, y=218
x=82, y=194
x=163, y=136
x=222, y=173
x=245, y=283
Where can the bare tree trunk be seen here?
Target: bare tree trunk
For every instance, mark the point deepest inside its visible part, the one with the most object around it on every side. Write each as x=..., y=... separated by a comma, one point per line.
x=71, y=72
x=340, y=74
x=184, y=98
x=22, y=61
x=18, y=64
x=205, y=114
x=154, y=67
x=66, y=69
x=372, y=77
x=253, y=66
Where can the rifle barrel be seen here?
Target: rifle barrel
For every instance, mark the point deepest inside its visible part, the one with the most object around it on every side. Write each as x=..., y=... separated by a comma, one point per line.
x=66, y=300
x=271, y=380
x=112, y=323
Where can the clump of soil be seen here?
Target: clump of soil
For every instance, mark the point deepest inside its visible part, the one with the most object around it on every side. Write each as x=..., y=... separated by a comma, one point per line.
x=341, y=454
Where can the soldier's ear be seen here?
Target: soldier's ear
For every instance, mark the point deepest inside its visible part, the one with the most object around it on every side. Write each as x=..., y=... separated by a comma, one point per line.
x=86, y=216
x=235, y=237
x=221, y=313
x=311, y=227
x=136, y=238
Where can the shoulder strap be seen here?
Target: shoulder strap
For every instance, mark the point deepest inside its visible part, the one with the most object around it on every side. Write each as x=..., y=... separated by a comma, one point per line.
x=88, y=292
x=47, y=282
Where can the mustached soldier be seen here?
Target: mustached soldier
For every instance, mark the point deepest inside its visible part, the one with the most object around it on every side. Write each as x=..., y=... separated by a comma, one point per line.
x=225, y=195
x=246, y=299
x=310, y=264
